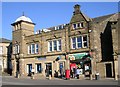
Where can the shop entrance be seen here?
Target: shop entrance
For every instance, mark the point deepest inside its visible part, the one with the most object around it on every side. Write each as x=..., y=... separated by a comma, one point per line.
x=48, y=69
x=108, y=70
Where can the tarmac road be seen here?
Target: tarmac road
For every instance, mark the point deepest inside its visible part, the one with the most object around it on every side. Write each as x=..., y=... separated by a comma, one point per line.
x=8, y=80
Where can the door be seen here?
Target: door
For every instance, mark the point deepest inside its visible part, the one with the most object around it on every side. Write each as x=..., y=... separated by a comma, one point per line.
x=108, y=70
x=48, y=69
x=29, y=68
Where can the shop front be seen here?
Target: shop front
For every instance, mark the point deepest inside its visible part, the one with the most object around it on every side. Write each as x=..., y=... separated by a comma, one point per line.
x=80, y=64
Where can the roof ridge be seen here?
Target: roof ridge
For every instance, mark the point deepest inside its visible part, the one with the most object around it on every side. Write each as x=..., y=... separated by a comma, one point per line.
x=104, y=15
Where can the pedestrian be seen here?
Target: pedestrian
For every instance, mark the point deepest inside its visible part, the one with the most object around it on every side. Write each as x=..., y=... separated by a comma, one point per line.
x=78, y=73
x=61, y=72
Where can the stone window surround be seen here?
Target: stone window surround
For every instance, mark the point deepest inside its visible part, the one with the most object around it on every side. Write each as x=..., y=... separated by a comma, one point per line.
x=77, y=42
x=30, y=48
x=77, y=25
x=58, y=44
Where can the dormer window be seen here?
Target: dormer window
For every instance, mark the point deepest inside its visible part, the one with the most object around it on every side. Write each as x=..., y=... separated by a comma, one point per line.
x=78, y=25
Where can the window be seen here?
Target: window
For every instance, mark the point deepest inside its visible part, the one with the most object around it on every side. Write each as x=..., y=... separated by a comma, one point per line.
x=36, y=48
x=16, y=49
x=33, y=48
x=50, y=46
x=74, y=26
x=29, y=49
x=74, y=42
x=79, y=42
x=38, y=68
x=81, y=25
x=78, y=25
x=54, y=45
x=85, y=41
x=59, y=45
x=1, y=49
x=29, y=68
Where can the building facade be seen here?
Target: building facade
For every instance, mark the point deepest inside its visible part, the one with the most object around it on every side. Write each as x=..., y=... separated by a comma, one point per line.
x=5, y=54
x=87, y=42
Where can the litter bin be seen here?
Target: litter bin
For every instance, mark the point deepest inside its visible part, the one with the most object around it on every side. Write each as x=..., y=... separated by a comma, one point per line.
x=67, y=74
x=97, y=76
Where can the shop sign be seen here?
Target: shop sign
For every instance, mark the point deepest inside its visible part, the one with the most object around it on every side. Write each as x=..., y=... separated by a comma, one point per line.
x=76, y=56
x=71, y=57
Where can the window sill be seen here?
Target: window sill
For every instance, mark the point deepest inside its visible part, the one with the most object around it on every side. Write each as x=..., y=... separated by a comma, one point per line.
x=54, y=51
x=78, y=28
x=33, y=54
x=79, y=48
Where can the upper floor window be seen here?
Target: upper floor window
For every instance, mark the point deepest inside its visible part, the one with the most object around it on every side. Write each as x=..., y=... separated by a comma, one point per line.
x=78, y=25
x=1, y=49
x=33, y=49
x=59, y=45
x=16, y=49
x=79, y=42
x=36, y=48
x=74, y=42
x=54, y=45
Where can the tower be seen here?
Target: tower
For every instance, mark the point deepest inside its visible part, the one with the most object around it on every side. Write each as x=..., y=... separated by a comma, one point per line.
x=22, y=27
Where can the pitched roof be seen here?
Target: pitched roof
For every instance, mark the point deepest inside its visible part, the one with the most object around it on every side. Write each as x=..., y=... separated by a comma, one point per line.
x=3, y=40
x=101, y=18
x=86, y=17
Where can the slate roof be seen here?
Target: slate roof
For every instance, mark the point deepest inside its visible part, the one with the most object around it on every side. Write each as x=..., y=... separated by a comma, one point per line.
x=3, y=40
x=101, y=18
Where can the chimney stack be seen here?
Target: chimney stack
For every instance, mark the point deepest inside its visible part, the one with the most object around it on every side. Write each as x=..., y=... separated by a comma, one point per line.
x=76, y=9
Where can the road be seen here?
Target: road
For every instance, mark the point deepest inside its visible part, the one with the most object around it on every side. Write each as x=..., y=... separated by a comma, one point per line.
x=8, y=80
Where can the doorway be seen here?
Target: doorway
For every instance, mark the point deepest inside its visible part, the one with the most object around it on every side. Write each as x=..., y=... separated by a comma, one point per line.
x=29, y=68
x=108, y=70
x=48, y=69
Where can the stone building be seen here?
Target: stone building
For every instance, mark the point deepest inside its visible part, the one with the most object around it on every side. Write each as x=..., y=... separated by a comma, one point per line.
x=5, y=54
x=90, y=42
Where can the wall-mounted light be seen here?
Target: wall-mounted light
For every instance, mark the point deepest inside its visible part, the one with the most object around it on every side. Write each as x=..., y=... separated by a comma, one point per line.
x=90, y=31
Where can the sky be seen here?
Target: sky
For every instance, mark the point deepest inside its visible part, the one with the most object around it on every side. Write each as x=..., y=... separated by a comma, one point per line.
x=48, y=14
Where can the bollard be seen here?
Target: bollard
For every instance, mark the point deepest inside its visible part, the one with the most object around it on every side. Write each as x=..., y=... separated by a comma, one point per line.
x=49, y=77
x=32, y=76
x=91, y=77
x=116, y=77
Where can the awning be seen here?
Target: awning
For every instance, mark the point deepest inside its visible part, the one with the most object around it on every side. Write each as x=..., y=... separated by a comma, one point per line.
x=81, y=56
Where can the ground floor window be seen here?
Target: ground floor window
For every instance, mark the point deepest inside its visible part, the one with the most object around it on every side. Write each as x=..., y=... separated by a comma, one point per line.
x=38, y=68
x=80, y=67
x=29, y=68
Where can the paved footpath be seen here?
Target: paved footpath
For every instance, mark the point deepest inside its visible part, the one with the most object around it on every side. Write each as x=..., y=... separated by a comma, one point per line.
x=8, y=80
